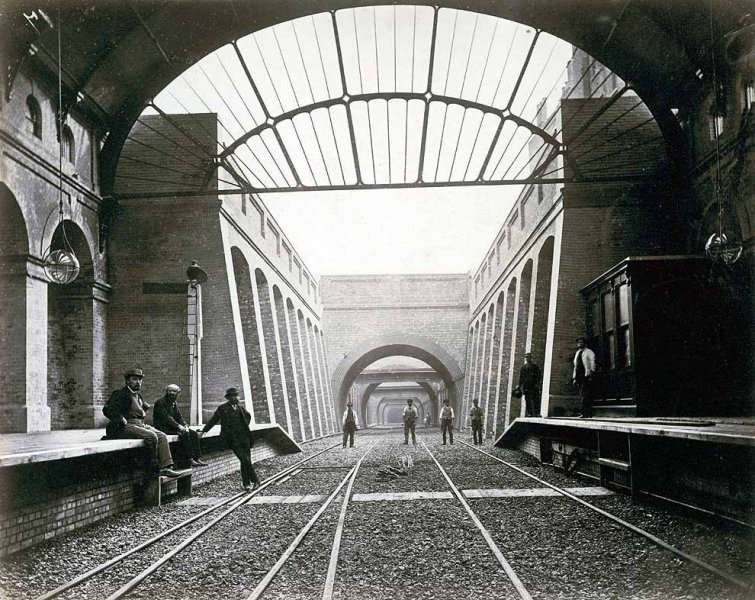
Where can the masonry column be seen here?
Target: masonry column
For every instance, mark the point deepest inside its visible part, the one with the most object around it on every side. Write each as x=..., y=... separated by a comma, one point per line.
x=35, y=407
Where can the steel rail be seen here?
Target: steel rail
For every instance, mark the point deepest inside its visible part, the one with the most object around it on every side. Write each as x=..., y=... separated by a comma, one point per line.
x=513, y=577
x=262, y=585
x=656, y=540
x=336, y=548
x=106, y=565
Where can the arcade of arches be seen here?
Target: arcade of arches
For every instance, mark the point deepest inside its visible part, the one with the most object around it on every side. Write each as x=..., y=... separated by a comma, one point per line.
x=617, y=173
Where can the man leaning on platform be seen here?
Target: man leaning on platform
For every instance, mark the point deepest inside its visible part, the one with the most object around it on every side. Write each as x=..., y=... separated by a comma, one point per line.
x=126, y=410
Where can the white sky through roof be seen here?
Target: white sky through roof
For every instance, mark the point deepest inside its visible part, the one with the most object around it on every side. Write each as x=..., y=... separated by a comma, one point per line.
x=428, y=230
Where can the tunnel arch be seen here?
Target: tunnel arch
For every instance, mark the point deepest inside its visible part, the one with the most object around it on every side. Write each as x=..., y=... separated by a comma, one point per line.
x=395, y=344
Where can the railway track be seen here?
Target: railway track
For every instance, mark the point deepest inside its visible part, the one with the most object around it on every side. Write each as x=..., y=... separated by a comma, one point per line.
x=735, y=582
x=232, y=503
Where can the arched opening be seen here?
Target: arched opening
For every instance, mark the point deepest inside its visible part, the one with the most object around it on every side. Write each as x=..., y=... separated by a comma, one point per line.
x=505, y=381
x=312, y=369
x=299, y=396
x=322, y=379
x=277, y=388
x=520, y=335
x=287, y=357
x=69, y=145
x=34, y=116
x=251, y=337
x=441, y=365
x=390, y=381
x=14, y=250
x=495, y=369
x=541, y=306
x=306, y=373
x=71, y=315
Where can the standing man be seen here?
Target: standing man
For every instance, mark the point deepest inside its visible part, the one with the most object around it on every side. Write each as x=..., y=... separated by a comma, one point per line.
x=126, y=410
x=447, y=421
x=168, y=419
x=584, y=367
x=235, y=434
x=349, y=422
x=475, y=417
x=410, y=421
x=529, y=383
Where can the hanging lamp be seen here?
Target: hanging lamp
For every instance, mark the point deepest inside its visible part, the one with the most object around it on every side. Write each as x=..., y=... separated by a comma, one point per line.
x=723, y=246
x=60, y=265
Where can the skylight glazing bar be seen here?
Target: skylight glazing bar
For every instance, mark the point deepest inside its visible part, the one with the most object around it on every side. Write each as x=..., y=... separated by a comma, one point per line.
x=267, y=114
x=349, y=119
x=428, y=94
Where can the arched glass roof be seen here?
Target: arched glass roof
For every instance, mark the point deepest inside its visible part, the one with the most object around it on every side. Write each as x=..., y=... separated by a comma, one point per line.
x=392, y=96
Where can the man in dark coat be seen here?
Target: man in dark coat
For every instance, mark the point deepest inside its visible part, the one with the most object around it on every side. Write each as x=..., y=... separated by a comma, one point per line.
x=476, y=417
x=529, y=383
x=168, y=419
x=234, y=422
x=126, y=410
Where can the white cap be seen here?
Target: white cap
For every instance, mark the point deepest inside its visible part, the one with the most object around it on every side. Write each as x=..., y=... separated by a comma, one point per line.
x=172, y=388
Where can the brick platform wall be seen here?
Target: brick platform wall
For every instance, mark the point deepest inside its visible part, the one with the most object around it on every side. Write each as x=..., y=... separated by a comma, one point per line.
x=41, y=501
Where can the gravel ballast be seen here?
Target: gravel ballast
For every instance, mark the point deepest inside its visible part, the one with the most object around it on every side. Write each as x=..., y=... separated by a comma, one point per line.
x=400, y=549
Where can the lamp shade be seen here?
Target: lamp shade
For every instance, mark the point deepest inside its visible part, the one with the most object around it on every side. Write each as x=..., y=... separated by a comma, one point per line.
x=61, y=266
x=723, y=248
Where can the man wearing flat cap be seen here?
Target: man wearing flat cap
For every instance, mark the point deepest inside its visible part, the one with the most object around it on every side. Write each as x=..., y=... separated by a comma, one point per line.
x=168, y=419
x=126, y=411
x=234, y=422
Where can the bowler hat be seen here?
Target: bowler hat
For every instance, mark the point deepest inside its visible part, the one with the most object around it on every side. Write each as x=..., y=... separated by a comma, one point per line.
x=135, y=372
x=231, y=392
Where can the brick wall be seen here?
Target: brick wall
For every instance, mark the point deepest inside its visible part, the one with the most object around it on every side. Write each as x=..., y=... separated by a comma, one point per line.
x=357, y=308
x=41, y=501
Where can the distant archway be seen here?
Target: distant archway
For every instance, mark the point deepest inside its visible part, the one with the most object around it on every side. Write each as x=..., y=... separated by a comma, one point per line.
x=395, y=344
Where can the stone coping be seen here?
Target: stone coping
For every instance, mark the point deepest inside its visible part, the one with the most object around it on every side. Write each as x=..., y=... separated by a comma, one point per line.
x=738, y=432
x=37, y=447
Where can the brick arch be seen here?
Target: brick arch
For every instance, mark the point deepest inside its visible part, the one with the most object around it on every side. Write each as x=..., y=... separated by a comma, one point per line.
x=71, y=351
x=14, y=235
x=274, y=370
x=245, y=286
x=288, y=358
x=14, y=250
x=395, y=344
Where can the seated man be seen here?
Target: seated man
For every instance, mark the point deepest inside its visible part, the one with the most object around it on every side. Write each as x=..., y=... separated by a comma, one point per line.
x=126, y=410
x=168, y=419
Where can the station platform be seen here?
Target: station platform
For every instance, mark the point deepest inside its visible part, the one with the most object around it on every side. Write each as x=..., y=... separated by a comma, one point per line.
x=54, y=482
x=25, y=448
x=739, y=431
x=707, y=464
